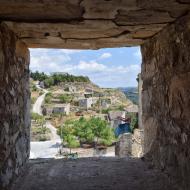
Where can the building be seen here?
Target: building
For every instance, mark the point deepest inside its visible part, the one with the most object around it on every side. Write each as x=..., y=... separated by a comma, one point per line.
x=86, y=103
x=61, y=108
x=58, y=108
x=88, y=95
x=105, y=103
x=41, y=84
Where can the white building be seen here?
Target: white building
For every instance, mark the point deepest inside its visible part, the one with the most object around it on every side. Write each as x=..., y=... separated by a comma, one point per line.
x=61, y=108
x=41, y=84
x=86, y=103
x=58, y=108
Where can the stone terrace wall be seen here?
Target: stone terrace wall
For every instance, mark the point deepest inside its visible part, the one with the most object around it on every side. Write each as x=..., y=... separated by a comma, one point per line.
x=14, y=105
x=166, y=100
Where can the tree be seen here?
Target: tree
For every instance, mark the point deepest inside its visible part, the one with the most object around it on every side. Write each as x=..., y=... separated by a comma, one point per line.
x=102, y=132
x=93, y=130
x=38, y=76
x=49, y=82
x=66, y=132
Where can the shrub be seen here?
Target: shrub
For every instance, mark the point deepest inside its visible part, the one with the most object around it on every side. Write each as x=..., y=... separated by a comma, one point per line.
x=65, y=98
x=48, y=98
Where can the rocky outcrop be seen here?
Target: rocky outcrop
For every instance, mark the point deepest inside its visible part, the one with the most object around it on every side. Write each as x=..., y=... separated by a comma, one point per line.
x=14, y=105
x=166, y=100
x=89, y=24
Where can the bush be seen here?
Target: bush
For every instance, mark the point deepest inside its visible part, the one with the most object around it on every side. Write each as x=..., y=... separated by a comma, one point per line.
x=34, y=88
x=105, y=111
x=48, y=98
x=65, y=98
x=36, y=116
x=134, y=120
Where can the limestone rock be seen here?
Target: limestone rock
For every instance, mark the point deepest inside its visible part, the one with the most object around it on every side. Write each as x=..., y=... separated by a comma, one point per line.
x=89, y=24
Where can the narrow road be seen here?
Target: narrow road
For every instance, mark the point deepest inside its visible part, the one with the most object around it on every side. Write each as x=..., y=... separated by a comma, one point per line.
x=37, y=105
x=46, y=149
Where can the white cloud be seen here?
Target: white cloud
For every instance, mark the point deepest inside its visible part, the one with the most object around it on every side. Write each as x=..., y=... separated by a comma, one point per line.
x=105, y=55
x=70, y=51
x=137, y=54
x=91, y=66
x=48, y=61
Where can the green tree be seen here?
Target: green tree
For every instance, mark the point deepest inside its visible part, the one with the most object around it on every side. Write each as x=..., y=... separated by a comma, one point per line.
x=49, y=82
x=67, y=132
x=87, y=131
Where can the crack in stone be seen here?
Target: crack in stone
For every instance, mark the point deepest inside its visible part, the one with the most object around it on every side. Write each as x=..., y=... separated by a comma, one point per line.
x=98, y=38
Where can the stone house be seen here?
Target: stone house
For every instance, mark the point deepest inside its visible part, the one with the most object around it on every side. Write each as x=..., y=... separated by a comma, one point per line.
x=105, y=103
x=61, y=108
x=58, y=108
x=41, y=84
x=86, y=103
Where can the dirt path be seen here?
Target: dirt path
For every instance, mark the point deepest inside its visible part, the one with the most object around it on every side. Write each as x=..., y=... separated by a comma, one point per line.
x=46, y=149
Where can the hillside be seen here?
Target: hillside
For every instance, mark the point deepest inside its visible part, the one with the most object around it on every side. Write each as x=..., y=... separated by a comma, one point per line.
x=131, y=93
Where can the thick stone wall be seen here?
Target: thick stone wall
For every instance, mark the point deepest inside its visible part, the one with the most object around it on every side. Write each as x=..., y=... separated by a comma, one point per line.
x=123, y=146
x=14, y=105
x=166, y=100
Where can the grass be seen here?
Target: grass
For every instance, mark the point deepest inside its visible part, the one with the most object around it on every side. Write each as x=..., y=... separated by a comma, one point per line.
x=39, y=133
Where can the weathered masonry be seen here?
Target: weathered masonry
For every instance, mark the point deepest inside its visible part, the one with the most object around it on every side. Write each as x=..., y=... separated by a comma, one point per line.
x=162, y=29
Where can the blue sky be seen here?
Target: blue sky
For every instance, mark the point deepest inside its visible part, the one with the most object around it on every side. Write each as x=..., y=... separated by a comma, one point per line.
x=109, y=67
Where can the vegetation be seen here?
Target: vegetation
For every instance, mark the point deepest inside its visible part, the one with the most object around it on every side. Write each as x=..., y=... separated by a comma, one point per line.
x=36, y=117
x=65, y=98
x=56, y=79
x=34, y=88
x=134, y=121
x=38, y=76
x=38, y=131
x=86, y=131
x=48, y=98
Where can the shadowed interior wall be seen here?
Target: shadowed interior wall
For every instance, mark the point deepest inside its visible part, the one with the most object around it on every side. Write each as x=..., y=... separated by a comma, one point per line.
x=166, y=99
x=14, y=105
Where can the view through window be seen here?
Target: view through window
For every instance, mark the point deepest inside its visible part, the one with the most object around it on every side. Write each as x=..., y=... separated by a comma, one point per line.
x=83, y=101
